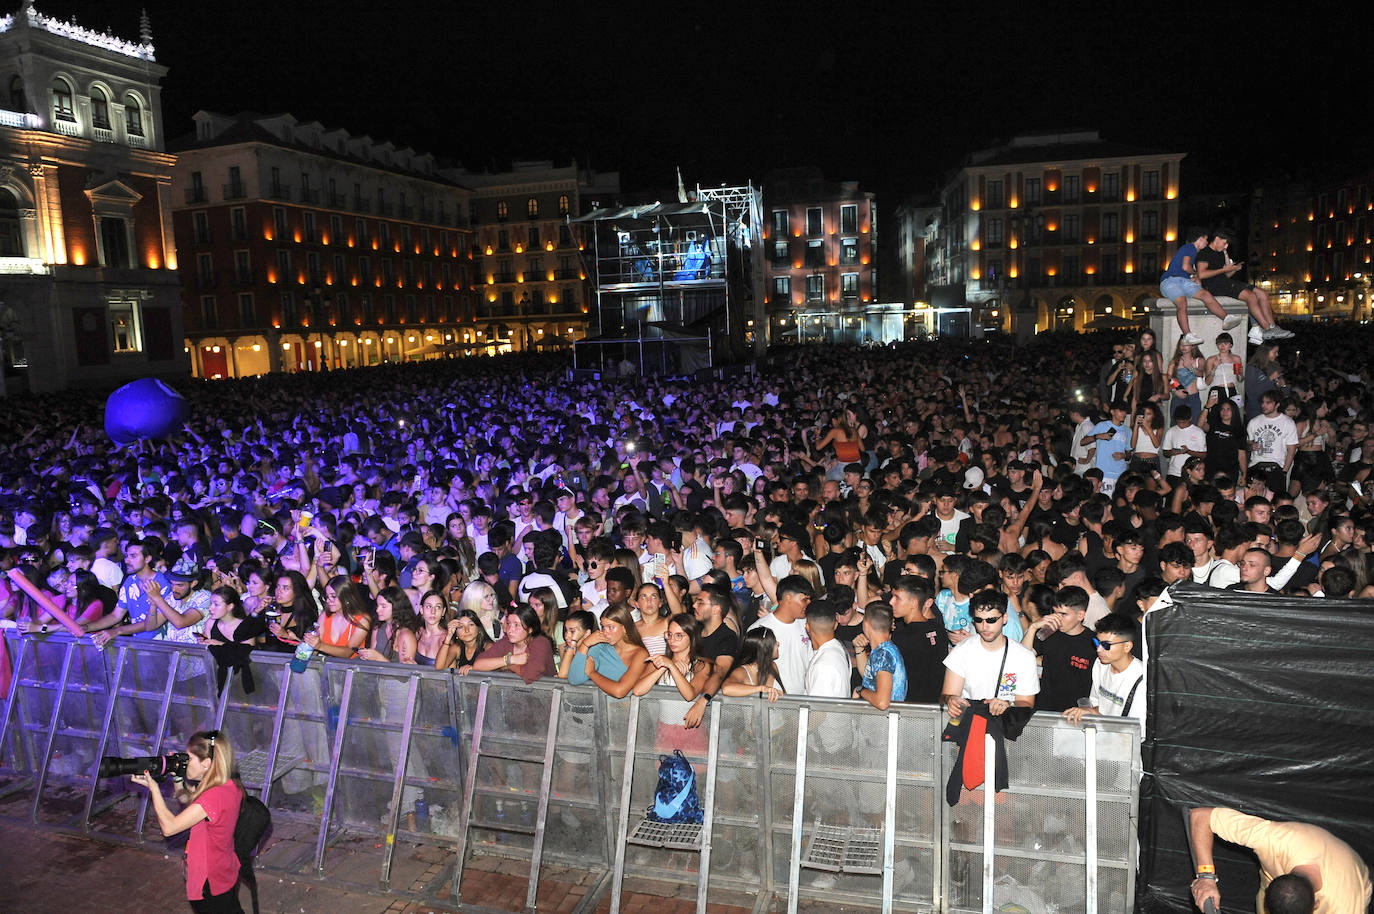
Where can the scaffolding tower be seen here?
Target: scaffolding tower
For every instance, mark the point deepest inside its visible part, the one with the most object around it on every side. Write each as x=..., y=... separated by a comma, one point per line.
x=678, y=285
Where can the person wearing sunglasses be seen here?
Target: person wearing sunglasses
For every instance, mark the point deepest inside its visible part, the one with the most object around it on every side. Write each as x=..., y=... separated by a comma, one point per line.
x=990, y=667
x=210, y=809
x=1118, y=688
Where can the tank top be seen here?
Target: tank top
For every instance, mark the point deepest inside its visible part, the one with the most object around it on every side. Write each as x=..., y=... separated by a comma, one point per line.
x=656, y=644
x=847, y=451
x=327, y=626
x=1225, y=375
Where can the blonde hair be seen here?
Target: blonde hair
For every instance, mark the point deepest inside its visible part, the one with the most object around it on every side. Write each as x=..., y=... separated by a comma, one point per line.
x=809, y=570
x=214, y=745
x=473, y=595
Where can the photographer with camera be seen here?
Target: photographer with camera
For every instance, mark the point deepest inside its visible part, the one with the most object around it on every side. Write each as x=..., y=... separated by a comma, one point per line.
x=211, y=799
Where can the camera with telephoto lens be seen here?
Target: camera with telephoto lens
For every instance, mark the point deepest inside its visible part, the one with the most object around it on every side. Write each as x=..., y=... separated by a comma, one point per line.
x=160, y=767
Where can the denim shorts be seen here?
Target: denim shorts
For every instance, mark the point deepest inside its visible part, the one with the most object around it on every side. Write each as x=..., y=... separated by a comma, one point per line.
x=1175, y=286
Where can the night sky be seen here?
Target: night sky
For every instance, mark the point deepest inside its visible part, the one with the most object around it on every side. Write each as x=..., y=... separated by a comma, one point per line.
x=893, y=99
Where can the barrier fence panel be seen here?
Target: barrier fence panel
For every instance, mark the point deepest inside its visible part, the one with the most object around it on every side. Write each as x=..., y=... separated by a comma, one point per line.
x=811, y=802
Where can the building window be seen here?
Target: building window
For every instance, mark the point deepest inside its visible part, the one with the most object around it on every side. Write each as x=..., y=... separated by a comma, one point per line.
x=1110, y=269
x=849, y=218
x=243, y=268
x=782, y=223
x=849, y=286
x=815, y=222
x=205, y=269
x=114, y=241
x=100, y=108
x=126, y=330
x=279, y=222
x=247, y=311
x=782, y=287
x=996, y=198
x=18, y=99
x=1072, y=273
x=993, y=275
x=62, y=108
x=780, y=253
x=849, y=250
x=502, y=211
x=365, y=270
x=238, y=223
x=284, y=267
x=532, y=208
x=815, y=287
x=503, y=240
x=365, y=303
x=1111, y=186
x=815, y=253
x=1073, y=188
x=532, y=238
x=569, y=297
x=563, y=205
x=389, y=306
x=1072, y=228
x=1149, y=185
x=201, y=221
x=1033, y=191
x=1111, y=226
x=992, y=231
x=1149, y=225
x=133, y=116
x=336, y=229
x=208, y=319
x=344, y=310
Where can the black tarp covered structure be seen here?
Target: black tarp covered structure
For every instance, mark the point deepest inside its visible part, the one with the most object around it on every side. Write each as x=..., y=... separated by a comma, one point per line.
x=1261, y=703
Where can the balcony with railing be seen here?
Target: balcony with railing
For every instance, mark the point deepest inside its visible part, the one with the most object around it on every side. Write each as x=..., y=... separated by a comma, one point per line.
x=310, y=195
x=567, y=274
x=197, y=194
x=20, y=119
x=235, y=190
x=385, y=209
x=407, y=211
x=280, y=191
x=361, y=206
x=337, y=201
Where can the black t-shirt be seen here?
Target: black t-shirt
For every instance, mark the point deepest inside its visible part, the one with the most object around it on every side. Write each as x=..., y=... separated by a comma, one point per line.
x=1066, y=669
x=1220, y=284
x=923, y=646
x=723, y=642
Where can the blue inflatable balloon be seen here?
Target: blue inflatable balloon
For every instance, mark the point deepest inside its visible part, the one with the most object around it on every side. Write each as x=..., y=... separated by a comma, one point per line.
x=144, y=409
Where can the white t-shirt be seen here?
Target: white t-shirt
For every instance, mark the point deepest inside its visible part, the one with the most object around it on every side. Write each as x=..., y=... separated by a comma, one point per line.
x=978, y=666
x=1271, y=439
x=696, y=561
x=1192, y=437
x=949, y=529
x=107, y=572
x=794, y=651
x=1079, y=450
x=1110, y=690
x=1217, y=573
x=593, y=600
x=827, y=675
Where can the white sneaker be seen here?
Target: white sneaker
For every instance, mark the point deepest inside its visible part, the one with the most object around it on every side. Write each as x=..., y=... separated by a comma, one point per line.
x=1255, y=336
x=1232, y=321
x=1278, y=333
x=1191, y=339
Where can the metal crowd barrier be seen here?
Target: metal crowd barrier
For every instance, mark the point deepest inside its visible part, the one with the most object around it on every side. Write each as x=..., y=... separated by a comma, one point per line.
x=805, y=800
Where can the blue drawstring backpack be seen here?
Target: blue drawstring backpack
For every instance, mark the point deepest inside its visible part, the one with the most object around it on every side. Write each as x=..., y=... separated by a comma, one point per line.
x=675, y=800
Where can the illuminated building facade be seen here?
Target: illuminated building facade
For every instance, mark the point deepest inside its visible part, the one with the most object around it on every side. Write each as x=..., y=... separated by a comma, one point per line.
x=1313, y=248
x=532, y=267
x=820, y=254
x=305, y=247
x=88, y=282
x=1056, y=231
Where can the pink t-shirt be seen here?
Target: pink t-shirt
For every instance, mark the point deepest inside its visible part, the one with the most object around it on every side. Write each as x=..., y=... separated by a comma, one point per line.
x=210, y=849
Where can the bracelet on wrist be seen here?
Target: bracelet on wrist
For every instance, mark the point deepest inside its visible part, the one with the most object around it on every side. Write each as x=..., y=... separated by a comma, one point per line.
x=1211, y=877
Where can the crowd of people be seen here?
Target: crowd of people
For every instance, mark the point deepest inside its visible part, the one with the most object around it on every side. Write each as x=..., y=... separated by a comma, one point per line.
x=937, y=522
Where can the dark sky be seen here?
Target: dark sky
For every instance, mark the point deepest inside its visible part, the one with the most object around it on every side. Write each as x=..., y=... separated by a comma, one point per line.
x=893, y=97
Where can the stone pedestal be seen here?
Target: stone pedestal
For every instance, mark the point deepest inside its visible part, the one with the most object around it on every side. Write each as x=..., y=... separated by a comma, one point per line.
x=1164, y=322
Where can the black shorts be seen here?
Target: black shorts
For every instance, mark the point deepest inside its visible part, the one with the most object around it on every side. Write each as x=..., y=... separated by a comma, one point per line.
x=1230, y=288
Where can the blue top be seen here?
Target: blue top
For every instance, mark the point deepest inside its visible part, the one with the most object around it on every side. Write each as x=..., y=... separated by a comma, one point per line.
x=604, y=657
x=1189, y=250
x=1184, y=374
x=1119, y=442
x=886, y=658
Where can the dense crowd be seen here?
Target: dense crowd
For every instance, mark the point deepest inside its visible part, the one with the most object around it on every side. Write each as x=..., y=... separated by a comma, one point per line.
x=941, y=522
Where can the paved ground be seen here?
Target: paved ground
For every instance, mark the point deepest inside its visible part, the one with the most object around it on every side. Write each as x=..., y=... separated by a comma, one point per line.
x=47, y=872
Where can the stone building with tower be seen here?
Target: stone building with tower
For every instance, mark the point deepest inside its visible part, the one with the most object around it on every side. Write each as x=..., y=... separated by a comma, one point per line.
x=89, y=293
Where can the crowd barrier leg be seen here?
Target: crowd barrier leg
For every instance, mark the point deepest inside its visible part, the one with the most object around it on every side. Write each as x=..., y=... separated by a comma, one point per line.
x=53, y=721
x=989, y=820
x=545, y=785
x=160, y=730
x=623, y=824
x=107, y=722
x=763, y=733
x=14, y=712
x=399, y=782
x=890, y=813
x=1090, y=822
x=798, y=811
x=470, y=789
x=335, y=759
x=709, y=810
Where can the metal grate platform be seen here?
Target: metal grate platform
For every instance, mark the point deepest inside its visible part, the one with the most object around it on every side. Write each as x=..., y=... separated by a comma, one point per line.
x=844, y=849
x=677, y=835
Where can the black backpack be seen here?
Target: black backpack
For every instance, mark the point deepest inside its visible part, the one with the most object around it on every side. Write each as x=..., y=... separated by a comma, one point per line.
x=252, y=825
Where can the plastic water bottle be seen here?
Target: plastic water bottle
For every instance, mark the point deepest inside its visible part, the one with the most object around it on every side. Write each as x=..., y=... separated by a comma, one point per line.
x=421, y=812
x=304, y=652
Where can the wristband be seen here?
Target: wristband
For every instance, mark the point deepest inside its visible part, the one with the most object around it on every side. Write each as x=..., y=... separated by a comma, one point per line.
x=707, y=696
x=1211, y=877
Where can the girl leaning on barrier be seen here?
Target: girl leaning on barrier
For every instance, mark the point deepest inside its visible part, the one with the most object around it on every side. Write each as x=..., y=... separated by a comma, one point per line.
x=210, y=810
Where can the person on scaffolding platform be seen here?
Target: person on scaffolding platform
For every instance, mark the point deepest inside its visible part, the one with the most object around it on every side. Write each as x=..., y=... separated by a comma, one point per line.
x=1303, y=868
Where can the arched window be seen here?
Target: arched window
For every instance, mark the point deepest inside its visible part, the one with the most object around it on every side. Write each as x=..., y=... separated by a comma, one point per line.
x=562, y=204
x=532, y=208
x=18, y=101
x=62, y=108
x=501, y=210
x=133, y=116
x=100, y=108
x=11, y=230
